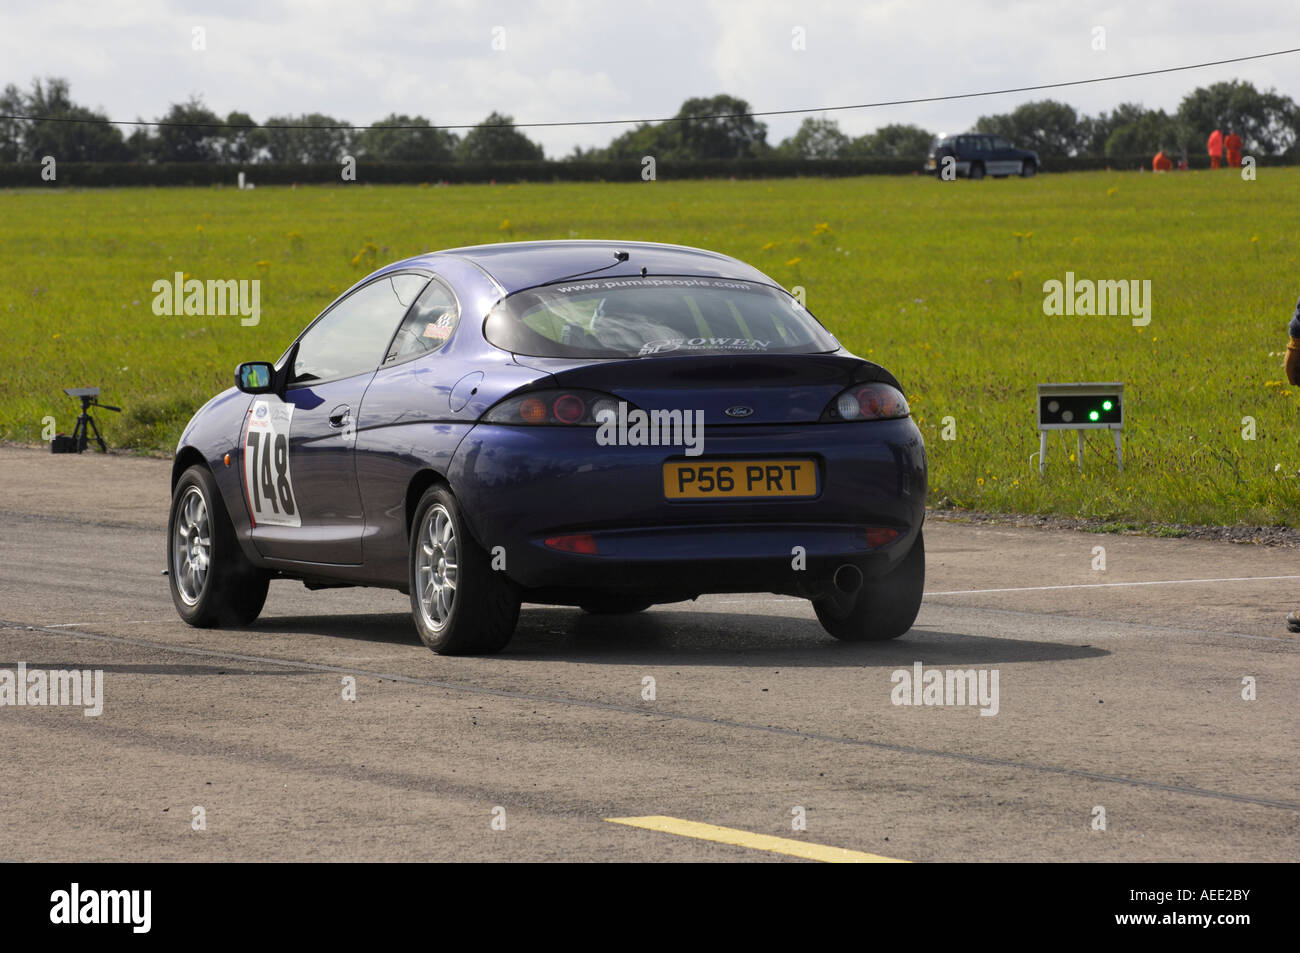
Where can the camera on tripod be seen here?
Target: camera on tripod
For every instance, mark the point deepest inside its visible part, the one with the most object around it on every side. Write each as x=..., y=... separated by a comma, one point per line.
x=89, y=397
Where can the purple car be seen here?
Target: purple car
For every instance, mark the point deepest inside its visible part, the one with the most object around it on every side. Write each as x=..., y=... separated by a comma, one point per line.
x=600, y=424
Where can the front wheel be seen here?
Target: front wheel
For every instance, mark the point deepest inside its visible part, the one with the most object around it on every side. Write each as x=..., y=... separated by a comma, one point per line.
x=212, y=582
x=883, y=608
x=460, y=604
x=1028, y=170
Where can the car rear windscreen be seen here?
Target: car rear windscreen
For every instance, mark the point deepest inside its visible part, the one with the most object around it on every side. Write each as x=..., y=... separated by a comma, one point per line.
x=648, y=316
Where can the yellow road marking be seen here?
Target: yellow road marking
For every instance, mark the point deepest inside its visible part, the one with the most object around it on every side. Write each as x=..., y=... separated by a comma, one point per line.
x=739, y=838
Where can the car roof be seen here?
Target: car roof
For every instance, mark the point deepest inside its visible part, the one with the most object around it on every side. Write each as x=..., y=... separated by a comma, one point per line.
x=515, y=266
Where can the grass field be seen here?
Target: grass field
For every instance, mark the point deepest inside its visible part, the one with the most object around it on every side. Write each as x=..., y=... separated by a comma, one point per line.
x=941, y=283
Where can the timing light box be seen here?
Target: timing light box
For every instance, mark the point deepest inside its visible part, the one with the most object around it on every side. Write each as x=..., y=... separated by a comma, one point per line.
x=1092, y=406
x=1080, y=407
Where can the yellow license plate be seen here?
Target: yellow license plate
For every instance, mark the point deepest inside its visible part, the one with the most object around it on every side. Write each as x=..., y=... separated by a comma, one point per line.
x=739, y=479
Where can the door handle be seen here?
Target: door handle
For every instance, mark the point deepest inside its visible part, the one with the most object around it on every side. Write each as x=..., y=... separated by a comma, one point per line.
x=340, y=416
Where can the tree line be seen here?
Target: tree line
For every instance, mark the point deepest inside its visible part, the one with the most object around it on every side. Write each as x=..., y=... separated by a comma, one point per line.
x=191, y=132
x=715, y=127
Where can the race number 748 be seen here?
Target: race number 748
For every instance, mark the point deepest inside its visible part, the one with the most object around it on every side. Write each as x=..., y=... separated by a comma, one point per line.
x=267, y=477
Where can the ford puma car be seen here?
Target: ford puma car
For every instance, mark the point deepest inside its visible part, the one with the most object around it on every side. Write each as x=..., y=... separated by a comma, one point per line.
x=586, y=423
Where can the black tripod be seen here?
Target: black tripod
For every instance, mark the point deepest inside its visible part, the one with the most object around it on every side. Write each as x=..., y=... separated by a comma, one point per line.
x=89, y=397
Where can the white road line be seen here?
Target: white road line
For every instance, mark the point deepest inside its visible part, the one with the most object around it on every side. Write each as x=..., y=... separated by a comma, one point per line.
x=750, y=602
x=65, y=625
x=1110, y=585
x=1085, y=585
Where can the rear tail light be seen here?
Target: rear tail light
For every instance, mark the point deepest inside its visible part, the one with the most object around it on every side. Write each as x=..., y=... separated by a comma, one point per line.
x=878, y=536
x=583, y=543
x=867, y=402
x=570, y=407
x=532, y=410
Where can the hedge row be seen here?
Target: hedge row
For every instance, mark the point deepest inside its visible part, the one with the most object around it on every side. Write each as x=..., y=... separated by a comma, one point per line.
x=89, y=174
x=94, y=174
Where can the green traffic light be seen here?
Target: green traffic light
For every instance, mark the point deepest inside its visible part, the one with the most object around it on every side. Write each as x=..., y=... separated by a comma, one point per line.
x=1106, y=405
x=1093, y=415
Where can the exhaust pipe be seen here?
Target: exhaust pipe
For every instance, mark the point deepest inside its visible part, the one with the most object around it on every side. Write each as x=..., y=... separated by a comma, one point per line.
x=848, y=580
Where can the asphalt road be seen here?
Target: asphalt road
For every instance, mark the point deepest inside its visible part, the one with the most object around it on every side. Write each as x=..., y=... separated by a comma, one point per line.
x=1119, y=689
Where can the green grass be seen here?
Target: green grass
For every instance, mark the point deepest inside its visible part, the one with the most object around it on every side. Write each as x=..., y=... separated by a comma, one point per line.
x=929, y=279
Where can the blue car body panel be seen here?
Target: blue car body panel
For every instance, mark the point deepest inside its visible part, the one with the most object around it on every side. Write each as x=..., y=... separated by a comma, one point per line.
x=560, y=483
x=420, y=421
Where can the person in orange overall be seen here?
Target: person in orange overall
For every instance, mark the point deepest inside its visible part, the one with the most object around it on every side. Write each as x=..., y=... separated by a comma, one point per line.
x=1215, y=147
x=1162, y=162
x=1232, y=145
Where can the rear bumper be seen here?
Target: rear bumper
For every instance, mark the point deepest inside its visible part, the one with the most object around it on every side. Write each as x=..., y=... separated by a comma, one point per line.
x=520, y=486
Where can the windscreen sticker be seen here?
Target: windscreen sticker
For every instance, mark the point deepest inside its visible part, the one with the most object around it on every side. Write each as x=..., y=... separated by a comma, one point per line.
x=437, y=331
x=702, y=344
x=267, y=481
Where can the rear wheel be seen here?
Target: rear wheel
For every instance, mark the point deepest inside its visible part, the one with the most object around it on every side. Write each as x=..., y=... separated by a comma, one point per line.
x=883, y=608
x=976, y=170
x=460, y=604
x=212, y=582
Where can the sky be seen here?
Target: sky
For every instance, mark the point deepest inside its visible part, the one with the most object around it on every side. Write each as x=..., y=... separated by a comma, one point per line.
x=454, y=61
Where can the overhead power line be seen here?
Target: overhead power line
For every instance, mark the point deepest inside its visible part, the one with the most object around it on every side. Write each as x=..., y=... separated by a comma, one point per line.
x=617, y=122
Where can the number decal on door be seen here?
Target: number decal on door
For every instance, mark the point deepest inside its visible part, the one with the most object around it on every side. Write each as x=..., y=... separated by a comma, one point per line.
x=267, y=479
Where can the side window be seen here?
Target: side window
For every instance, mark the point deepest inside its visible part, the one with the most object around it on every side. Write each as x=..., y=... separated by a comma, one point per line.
x=407, y=287
x=428, y=325
x=350, y=338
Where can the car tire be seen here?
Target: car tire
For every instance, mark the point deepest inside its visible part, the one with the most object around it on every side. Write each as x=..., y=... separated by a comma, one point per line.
x=1028, y=170
x=883, y=608
x=614, y=605
x=211, y=580
x=460, y=604
x=976, y=171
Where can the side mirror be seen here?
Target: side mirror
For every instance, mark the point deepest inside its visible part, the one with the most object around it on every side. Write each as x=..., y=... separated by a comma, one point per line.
x=255, y=377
